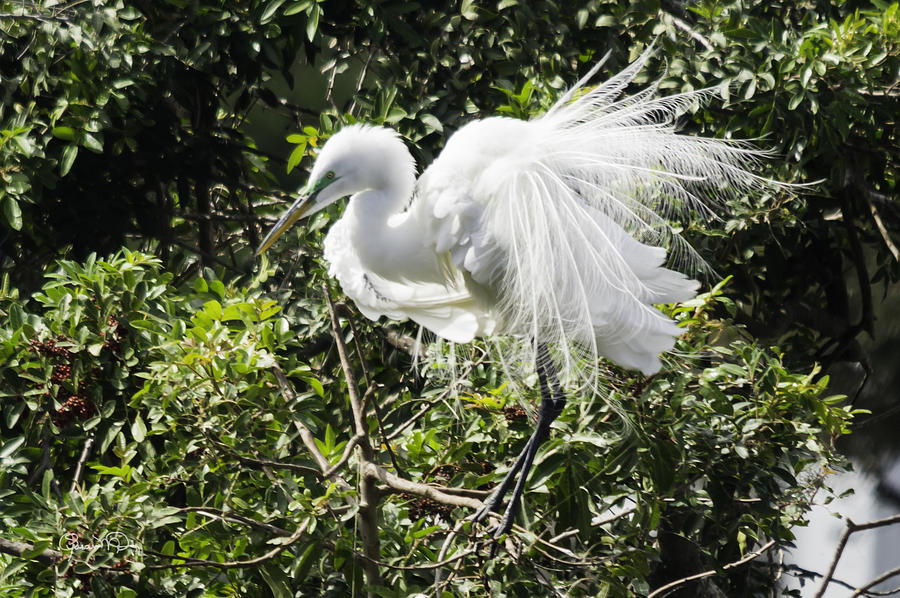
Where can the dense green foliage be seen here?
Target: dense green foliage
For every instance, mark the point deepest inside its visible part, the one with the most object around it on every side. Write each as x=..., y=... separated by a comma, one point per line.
x=139, y=393
x=196, y=454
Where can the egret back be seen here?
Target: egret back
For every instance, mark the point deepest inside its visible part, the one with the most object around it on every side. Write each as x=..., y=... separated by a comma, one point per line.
x=565, y=218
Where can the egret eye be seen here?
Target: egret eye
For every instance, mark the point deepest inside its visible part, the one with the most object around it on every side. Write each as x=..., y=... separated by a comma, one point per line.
x=330, y=174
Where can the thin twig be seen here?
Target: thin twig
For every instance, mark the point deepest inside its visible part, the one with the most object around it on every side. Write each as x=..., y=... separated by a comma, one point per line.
x=438, y=586
x=228, y=516
x=879, y=224
x=883, y=577
x=842, y=543
x=79, y=467
x=348, y=450
x=306, y=435
x=431, y=404
x=34, y=17
x=192, y=562
x=371, y=387
x=678, y=582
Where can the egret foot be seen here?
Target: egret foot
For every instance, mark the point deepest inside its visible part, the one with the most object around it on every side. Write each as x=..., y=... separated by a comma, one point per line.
x=553, y=402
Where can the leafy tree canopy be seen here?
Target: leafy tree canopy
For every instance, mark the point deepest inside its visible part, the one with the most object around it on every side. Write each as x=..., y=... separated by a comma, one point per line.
x=255, y=435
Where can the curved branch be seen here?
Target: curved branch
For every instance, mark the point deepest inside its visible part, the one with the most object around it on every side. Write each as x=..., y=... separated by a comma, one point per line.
x=190, y=562
x=842, y=543
x=678, y=582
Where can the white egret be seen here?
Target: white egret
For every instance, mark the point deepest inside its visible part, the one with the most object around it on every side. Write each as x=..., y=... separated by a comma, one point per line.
x=551, y=231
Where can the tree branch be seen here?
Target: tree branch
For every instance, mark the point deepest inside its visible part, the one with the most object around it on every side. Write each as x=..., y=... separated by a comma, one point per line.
x=191, y=562
x=220, y=514
x=79, y=467
x=369, y=495
x=47, y=557
x=662, y=591
x=842, y=543
x=306, y=435
x=399, y=484
x=883, y=577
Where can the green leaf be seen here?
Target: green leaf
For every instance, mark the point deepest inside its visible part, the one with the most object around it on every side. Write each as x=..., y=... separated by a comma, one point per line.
x=269, y=11
x=12, y=411
x=213, y=309
x=64, y=133
x=92, y=143
x=296, y=156
x=16, y=316
x=312, y=22
x=68, y=159
x=138, y=429
x=217, y=287
x=277, y=581
x=296, y=7
x=469, y=10
x=11, y=446
x=12, y=212
x=431, y=123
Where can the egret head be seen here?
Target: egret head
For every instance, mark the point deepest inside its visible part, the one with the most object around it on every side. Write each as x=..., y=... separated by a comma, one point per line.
x=358, y=158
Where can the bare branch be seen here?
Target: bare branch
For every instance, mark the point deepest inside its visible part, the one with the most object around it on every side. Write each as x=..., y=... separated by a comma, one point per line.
x=678, y=582
x=228, y=516
x=190, y=562
x=404, y=342
x=369, y=495
x=348, y=450
x=283, y=465
x=399, y=484
x=879, y=224
x=34, y=17
x=79, y=467
x=883, y=577
x=306, y=435
x=352, y=384
x=842, y=543
x=47, y=557
x=681, y=24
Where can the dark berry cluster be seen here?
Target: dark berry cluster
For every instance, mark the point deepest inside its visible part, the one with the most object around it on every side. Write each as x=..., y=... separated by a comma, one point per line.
x=49, y=348
x=76, y=406
x=111, y=341
x=447, y=471
x=513, y=414
x=61, y=373
x=420, y=507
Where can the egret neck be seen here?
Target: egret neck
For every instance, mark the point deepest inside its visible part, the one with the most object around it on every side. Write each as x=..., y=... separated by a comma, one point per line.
x=388, y=240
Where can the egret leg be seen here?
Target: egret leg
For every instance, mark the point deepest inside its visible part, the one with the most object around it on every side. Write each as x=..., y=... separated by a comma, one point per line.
x=553, y=401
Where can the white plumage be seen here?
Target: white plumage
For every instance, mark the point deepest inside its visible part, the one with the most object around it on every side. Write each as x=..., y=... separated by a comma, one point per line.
x=546, y=229
x=551, y=233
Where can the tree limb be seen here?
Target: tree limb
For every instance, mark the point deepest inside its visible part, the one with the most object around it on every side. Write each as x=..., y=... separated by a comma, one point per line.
x=399, y=484
x=306, y=435
x=79, y=468
x=369, y=495
x=47, y=557
x=842, y=543
x=662, y=591
x=191, y=562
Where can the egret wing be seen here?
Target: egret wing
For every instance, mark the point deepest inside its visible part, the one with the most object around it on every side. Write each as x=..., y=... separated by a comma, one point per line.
x=565, y=218
x=448, y=310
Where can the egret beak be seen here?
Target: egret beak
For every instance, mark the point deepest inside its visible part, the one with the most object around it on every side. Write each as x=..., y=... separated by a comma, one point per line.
x=287, y=220
x=305, y=205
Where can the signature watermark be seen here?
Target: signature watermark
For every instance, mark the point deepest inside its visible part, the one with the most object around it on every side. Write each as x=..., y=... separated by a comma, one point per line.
x=114, y=542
